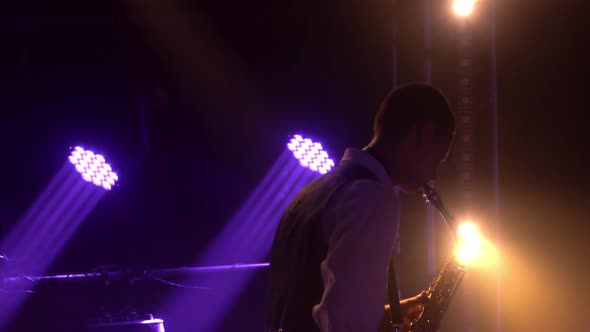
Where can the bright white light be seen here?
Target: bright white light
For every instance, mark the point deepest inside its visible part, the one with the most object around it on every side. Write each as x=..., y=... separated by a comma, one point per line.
x=310, y=154
x=96, y=181
x=467, y=252
x=463, y=8
x=468, y=231
x=93, y=168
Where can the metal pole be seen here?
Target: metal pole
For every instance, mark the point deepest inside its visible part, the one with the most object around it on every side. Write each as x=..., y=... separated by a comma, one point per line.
x=431, y=239
x=495, y=158
x=427, y=42
x=144, y=134
x=464, y=142
x=394, y=65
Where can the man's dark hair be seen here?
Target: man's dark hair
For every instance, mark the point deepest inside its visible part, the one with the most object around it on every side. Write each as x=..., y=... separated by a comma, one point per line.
x=414, y=105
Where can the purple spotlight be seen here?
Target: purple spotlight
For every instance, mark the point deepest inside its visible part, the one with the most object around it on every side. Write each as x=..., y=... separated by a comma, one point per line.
x=310, y=154
x=93, y=168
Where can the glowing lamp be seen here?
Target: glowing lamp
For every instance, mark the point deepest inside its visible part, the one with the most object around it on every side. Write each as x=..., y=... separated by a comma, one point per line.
x=469, y=243
x=310, y=154
x=463, y=8
x=93, y=168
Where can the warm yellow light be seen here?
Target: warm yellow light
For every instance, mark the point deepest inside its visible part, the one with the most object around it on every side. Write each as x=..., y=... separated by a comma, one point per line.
x=468, y=232
x=467, y=252
x=463, y=7
x=473, y=249
x=469, y=245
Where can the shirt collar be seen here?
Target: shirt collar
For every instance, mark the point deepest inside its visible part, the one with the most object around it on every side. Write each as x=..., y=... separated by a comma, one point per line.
x=365, y=159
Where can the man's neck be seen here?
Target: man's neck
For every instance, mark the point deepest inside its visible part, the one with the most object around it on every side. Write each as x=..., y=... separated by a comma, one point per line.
x=376, y=152
x=373, y=152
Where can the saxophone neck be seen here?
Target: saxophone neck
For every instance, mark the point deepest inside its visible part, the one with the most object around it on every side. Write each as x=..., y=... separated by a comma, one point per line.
x=432, y=198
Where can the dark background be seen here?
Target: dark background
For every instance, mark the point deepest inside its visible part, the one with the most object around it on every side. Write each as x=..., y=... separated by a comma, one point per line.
x=223, y=83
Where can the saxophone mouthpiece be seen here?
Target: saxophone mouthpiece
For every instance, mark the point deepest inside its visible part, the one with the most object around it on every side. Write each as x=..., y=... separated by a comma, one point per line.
x=426, y=191
x=428, y=187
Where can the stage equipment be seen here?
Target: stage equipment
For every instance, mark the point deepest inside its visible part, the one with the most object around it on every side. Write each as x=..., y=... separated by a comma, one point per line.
x=93, y=168
x=125, y=275
x=130, y=322
x=137, y=324
x=310, y=154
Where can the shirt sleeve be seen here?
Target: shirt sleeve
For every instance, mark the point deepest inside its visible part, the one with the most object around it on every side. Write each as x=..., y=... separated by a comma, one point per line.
x=360, y=226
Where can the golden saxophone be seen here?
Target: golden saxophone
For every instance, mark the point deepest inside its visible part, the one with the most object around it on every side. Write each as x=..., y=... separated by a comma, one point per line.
x=443, y=287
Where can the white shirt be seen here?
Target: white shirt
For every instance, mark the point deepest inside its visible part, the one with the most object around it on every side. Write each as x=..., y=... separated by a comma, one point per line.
x=360, y=225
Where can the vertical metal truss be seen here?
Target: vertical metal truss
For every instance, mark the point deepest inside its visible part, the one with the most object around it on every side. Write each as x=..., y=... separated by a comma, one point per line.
x=465, y=146
x=464, y=113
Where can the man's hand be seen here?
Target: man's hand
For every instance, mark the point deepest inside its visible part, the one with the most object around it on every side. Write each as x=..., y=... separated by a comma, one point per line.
x=410, y=310
x=412, y=307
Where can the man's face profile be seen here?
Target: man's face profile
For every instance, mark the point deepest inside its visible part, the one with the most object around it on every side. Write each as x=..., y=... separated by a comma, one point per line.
x=424, y=154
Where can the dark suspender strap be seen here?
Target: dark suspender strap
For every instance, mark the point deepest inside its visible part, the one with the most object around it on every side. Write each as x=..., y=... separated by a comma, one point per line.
x=392, y=294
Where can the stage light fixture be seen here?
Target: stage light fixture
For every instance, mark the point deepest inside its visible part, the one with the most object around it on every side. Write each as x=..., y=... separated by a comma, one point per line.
x=93, y=168
x=310, y=154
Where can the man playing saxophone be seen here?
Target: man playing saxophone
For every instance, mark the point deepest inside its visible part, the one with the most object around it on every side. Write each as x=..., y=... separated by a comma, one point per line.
x=331, y=260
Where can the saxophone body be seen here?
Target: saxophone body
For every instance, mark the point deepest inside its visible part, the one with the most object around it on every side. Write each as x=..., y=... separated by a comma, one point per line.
x=445, y=284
